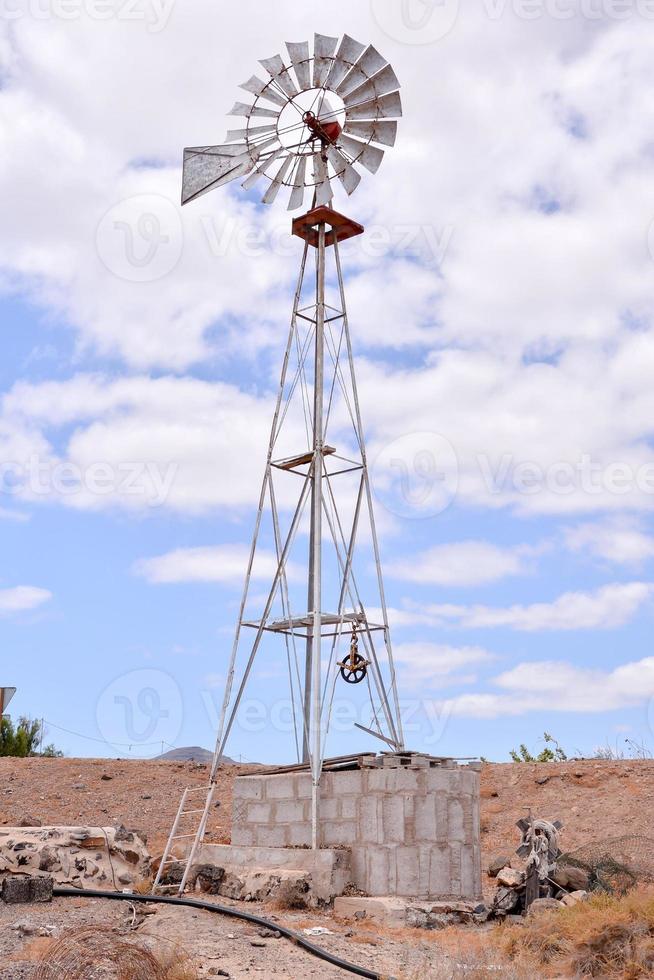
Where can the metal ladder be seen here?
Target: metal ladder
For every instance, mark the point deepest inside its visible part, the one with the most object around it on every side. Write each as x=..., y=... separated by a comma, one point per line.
x=197, y=835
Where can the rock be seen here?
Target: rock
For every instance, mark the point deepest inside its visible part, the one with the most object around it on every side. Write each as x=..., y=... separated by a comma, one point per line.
x=25, y=928
x=506, y=899
x=510, y=878
x=541, y=780
x=48, y=860
x=105, y=777
x=259, y=943
x=208, y=878
x=496, y=864
x=416, y=918
x=573, y=898
x=540, y=905
x=41, y=888
x=16, y=890
x=578, y=879
x=28, y=821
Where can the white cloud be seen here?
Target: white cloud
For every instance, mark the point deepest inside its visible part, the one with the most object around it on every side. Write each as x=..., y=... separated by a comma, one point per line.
x=420, y=664
x=22, y=598
x=552, y=234
x=619, y=541
x=560, y=686
x=608, y=607
x=224, y=563
x=461, y=563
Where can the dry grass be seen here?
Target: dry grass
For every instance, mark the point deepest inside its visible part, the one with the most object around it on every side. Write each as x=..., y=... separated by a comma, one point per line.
x=604, y=937
x=464, y=964
x=90, y=952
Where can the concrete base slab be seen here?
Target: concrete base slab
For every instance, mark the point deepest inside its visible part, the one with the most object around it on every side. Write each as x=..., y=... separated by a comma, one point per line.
x=327, y=870
x=393, y=911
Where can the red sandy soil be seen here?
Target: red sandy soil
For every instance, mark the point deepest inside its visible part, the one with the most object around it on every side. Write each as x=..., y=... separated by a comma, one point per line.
x=595, y=800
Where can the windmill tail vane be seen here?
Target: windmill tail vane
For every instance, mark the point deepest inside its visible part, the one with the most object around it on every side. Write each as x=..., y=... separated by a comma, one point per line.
x=312, y=120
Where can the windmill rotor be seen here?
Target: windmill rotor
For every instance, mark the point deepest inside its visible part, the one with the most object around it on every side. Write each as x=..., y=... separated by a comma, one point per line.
x=314, y=119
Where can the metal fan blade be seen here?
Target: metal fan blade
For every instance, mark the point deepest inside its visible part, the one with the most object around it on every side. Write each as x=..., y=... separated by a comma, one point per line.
x=263, y=89
x=380, y=84
x=345, y=172
x=323, y=50
x=206, y=167
x=261, y=169
x=253, y=132
x=368, y=156
x=273, y=190
x=324, y=109
x=323, y=186
x=300, y=59
x=348, y=52
x=267, y=144
x=389, y=106
x=368, y=65
x=245, y=109
x=279, y=72
x=379, y=131
x=297, y=194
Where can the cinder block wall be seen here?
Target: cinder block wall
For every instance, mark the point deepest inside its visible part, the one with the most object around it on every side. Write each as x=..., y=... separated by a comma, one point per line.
x=411, y=832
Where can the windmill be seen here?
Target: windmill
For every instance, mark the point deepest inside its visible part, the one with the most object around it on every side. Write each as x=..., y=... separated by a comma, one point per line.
x=311, y=124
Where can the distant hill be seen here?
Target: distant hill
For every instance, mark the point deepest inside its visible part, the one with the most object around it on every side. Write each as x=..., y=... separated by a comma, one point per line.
x=193, y=753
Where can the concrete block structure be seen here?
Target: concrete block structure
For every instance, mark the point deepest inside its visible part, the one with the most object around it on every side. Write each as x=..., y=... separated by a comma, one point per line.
x=411, y=832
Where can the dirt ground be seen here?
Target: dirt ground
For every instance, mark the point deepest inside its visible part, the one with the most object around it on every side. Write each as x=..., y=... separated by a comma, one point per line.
x=239, y=949
x=594, y=800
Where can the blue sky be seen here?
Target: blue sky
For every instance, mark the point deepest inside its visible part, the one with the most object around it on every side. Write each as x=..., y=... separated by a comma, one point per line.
x=501, y=312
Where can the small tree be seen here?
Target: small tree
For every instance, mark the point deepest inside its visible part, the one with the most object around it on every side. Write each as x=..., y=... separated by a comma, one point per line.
x=22, y=740
x=522, y=754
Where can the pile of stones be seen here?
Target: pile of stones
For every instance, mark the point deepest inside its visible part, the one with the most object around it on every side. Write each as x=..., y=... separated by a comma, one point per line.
x=565, y=886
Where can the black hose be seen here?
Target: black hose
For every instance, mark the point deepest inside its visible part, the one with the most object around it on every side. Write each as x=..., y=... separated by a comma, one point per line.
x=223, y=910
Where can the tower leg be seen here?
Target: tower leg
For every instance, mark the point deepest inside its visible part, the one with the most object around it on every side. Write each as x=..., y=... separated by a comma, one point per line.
x=316, y=536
